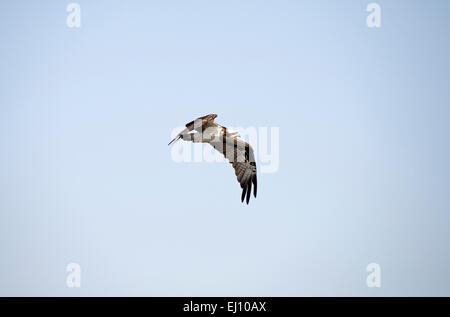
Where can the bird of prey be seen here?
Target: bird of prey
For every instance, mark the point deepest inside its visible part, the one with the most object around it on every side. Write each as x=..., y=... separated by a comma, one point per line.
x=239, y=153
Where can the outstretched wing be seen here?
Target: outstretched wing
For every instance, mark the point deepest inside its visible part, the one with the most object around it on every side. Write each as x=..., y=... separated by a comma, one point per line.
x=196, y=124
x=242, y=158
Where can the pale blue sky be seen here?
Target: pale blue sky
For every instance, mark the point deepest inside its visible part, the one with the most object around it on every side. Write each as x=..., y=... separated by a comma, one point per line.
x=87, y=177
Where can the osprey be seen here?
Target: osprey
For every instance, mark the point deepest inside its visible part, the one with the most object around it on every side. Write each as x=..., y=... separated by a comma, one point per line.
x=239, y=153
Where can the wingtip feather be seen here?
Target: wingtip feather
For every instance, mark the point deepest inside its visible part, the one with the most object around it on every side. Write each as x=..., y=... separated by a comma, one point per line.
x=249, y=191
x=244, y=189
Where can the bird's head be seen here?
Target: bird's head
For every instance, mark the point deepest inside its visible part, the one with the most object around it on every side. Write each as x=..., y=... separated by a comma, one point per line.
x=213, y=115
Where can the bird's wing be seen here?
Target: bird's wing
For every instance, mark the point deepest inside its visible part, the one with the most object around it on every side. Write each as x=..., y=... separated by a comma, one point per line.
x=195, y=124
x=242, y=158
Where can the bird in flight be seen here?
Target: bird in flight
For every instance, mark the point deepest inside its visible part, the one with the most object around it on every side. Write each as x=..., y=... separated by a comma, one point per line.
x=238, y=152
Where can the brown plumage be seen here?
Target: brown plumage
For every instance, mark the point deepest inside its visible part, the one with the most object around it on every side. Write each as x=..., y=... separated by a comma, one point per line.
x=239, y=153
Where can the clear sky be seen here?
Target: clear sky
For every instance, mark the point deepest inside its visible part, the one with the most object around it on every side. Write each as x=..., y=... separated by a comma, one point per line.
x=86, y=175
